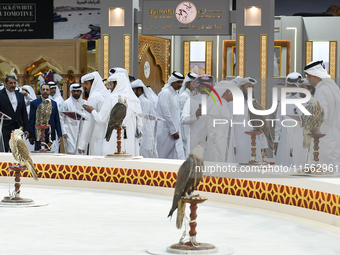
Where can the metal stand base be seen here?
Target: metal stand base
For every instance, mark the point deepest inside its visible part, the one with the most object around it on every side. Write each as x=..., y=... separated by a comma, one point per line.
x=187, y=248
x=118, y=155
x=17, y=200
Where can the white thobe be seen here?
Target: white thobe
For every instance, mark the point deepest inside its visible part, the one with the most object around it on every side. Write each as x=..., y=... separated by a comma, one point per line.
x=184, y=128
x=60, y=102
x=148, y=144
x=290, y=149
x=132, y=122
x=28, y=100
x=242, y=140
x=168, y=109
x=197, y=132
x=220, y=139
x=71, y=126
x=93, y=132
x=328, y=94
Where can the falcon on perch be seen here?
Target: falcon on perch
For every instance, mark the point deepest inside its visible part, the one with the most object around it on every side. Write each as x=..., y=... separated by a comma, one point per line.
x=117, y=116
x=20, y=152
x=188, y=177
x=263, y=125
x=43, y=115
x=311, y=123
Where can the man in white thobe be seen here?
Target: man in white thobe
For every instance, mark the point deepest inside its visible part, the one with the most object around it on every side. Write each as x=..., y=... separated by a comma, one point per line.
x=73, y=104
x=154, y=98
x=56, y=96
x=288, y=141
x=184, y=93
x=220, y=137
x=29, y=96
x=132, y=120
x=328, y=94
x=148, y=144
x=242, y=140
x=169, y=141
x=192, y=113
x=93, y=132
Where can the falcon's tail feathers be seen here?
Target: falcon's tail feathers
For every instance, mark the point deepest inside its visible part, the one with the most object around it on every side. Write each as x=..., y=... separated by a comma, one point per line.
x=306, y=140
x=180, y=214
x=108, y=134
x=34, y=173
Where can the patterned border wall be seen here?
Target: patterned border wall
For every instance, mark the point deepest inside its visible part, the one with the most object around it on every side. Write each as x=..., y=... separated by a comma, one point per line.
x=288, y=195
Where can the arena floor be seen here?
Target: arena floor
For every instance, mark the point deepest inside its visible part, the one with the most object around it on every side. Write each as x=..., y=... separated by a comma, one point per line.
x=94, y=221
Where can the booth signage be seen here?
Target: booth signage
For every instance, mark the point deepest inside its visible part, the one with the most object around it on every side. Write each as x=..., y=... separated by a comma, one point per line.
x=26, y=19
x=195, y=17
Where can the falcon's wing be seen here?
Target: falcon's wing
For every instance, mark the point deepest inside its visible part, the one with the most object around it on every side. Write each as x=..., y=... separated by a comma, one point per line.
x=182, y=180
x=117, y=114
x=25, y=155
x=23, y=150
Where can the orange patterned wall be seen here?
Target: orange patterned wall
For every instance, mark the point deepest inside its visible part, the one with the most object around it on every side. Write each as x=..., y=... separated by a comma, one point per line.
x=300, y=197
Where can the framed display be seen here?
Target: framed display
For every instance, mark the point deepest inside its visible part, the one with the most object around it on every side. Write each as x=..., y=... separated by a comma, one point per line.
x=325, y=51
x=197, y=57
x=282, y=58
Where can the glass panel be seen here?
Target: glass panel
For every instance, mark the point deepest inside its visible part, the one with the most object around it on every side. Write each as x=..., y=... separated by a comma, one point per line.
x=321, y=52
x=197, y=51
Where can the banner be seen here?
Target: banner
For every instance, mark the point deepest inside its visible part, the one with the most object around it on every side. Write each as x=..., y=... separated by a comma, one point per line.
x=26, y=19
x=196, y=17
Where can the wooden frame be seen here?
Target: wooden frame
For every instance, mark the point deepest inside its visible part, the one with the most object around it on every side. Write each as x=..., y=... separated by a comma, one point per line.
x=332, y=56
x=277, y=43
x=208, y=57
x=277, y=51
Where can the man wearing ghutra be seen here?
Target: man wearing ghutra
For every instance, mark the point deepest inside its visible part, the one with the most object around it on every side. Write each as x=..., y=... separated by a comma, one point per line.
x=93, y=132
x=132, y=120
x=242, y=140
x=147, y=142
x=328, y=94
x=73, y=104
x=169, y=141
x=191, y=115
x=29, y=96
x=184, y=93
x=55, y=95
x=220, y=137
x=289, y=140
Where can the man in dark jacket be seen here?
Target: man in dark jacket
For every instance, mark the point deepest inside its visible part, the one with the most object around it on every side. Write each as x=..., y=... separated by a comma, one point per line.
x=54, y=121
x=12, y=104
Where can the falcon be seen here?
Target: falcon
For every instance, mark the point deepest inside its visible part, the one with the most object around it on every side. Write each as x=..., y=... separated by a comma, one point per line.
x=311, y=123
x=43, y=115
x=188, y=177
x=117, y=115
x=20, y=152
x=261, y=126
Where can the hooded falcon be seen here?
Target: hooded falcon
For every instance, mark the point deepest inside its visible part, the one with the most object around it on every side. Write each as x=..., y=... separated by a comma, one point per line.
x=263, y=125
x=20, y=152
x=188, y=177
x=311, y=123
x=43, y=115
x=117, y=116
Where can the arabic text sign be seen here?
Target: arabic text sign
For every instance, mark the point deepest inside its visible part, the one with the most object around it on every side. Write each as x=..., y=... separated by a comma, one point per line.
x=24, y=12
x=26, y=19
x=196, y=17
